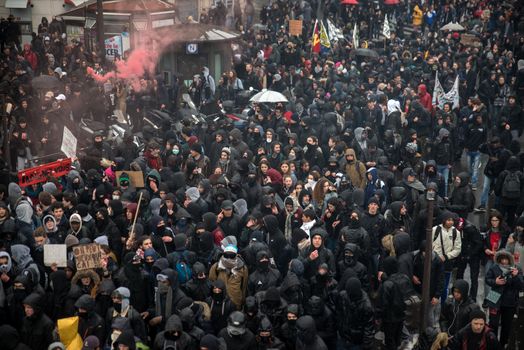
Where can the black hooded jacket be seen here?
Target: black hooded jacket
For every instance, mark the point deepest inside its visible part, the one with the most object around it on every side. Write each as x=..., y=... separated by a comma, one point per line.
x=307, y=337
x=264, y=276
x=512, y=167
x=133, y=277
x=11, y=339
x=462, y=200
x=455, y=314
x=37, y=330
x=92, y=323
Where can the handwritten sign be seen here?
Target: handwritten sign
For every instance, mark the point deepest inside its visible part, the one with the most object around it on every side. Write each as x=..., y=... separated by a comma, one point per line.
x=38, y=174
x=55, y=254
x=295, y=27
x=68, y=143
x=87, y=256
x=136, y=178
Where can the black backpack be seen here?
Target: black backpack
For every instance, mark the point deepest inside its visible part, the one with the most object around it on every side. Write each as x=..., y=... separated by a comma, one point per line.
x=511, y=185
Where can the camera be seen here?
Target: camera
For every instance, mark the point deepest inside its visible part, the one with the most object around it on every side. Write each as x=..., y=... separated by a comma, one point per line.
x=508, y=274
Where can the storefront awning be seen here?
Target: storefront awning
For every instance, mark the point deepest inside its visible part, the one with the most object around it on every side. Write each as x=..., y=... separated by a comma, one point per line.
x=16, y=4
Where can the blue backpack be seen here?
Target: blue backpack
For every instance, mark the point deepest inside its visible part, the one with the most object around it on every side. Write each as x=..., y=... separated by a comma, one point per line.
x=183, y=269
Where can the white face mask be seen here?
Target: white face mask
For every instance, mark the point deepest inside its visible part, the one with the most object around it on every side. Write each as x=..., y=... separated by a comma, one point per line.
x=116, y=197
x=269, y=140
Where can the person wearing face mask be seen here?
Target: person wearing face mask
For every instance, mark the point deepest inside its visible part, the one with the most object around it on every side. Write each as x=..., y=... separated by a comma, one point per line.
x=104, y=225
x=167, y=296
x=265, y=337
x=324, y=320
x=355, y=320
x=37, y=328
x=187, y=316
x=355, y=233
x=198, y=287
x=288, y=330
x=236, y=335
x=220, y=305
x=173, y=336
x=264, y=277
x=307, y=337
x=161, y=235
x=133, y=277
x=349, y=261
x=122, y=311
x=89, y=323
x=232, y=270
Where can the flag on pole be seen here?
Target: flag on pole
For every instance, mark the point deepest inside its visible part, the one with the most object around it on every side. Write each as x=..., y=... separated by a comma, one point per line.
x=315, y=47
x=335, y=34
x=355, y=36
x=386, y=31
x=325, y=44
x=438, y=91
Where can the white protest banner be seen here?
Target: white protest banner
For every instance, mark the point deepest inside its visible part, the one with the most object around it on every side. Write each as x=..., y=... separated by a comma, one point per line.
x=55, y=254
x=69, y=143
x=113, y=46
x=356, y=43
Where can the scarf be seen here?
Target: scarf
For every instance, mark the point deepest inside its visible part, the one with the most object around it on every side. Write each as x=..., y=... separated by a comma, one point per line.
x=230, y=265
x=168, y=303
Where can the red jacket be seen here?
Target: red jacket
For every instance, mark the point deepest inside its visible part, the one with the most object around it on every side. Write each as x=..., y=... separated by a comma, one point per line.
x=30, y=57
x=425, y=98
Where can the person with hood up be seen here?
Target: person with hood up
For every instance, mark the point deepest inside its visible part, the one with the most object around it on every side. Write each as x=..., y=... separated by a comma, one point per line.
x=122, y=310
x=187, y=316
x=355, y=317
x=198, y=287
x=350, y=261
x=161, y=235
x=173, y=336
x=264, y=276
x=431, y=174
x=37, y=328
x=76, y=228
x=324, y=320
x=414, y=188
x=475, y=335
x=506, y=282
x=355, y=169
x=294, y=288
x=167, y=296
x=24, y=264
x=133, y=277
x=462, y=201
x=90, y=323
x=317, y=254
x=509, y=188
x=265, y=337
x=21, y=288
x=354, y=233
x=232, y=270
x=6, y=281
x=425, y=98
x=236, y=334
x=373, y=184
x=456, y=310
x=11, y=339
x=447, y=244
x=220, y=305
x=307, y=337
x=444, y=155
x=105, y=226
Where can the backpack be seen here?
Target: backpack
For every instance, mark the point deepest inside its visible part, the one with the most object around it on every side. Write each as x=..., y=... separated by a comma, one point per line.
x=183, y=268
x=406, y=296
x=511, y=185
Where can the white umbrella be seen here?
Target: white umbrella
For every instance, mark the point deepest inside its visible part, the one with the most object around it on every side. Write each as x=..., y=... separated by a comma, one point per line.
x=453, y=26
x=268, y=96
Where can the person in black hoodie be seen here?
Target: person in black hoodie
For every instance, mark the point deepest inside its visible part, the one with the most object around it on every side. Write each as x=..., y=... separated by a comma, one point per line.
x=220, y=305
x=173, y=336
x=167, y=296
x=354, y=233
x=116, y=213
x=307, y=337
x=90, y=323
x=106, y=226
x=198, y=287
x=471, y=253
x=355, y=321
x=187, y=316
x=350, y=261
x=294, y=288
x=317, y=254
x=462, y=200
x=11, y=338
x=324, y=320
x=264, y=276
x=509, y=188
x=37, y=328
x=133, y=277
x=457, y=310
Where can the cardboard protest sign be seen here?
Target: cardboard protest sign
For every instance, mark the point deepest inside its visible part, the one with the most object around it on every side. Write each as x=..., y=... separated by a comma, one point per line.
x=69, y=143
x=295, y=27
x=87, y=256
x=55, y=254
x=42, y=173
x=136, y=178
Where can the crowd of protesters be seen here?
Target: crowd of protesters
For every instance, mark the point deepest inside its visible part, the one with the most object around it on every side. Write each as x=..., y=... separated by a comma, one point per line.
x=303, y=227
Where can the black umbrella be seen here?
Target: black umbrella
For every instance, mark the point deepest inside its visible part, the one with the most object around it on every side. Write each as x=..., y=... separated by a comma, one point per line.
x=46, y=82
x=365, y=53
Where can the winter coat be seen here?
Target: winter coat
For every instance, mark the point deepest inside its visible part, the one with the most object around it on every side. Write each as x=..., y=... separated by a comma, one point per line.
x=236, y=280
x=173, y=324
x=37, y=330
x=514, y=284
x=455, y=314
x=10, y=339
x=462, y=199
x=436, y=283
x=355, y=170
x=355, y=319
x=512, y=167
x=464, y=338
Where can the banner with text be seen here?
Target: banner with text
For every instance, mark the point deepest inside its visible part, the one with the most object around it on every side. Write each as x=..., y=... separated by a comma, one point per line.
x=39, y=174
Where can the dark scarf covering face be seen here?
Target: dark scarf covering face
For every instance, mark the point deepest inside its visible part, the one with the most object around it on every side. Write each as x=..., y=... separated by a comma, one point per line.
x=132, y=271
